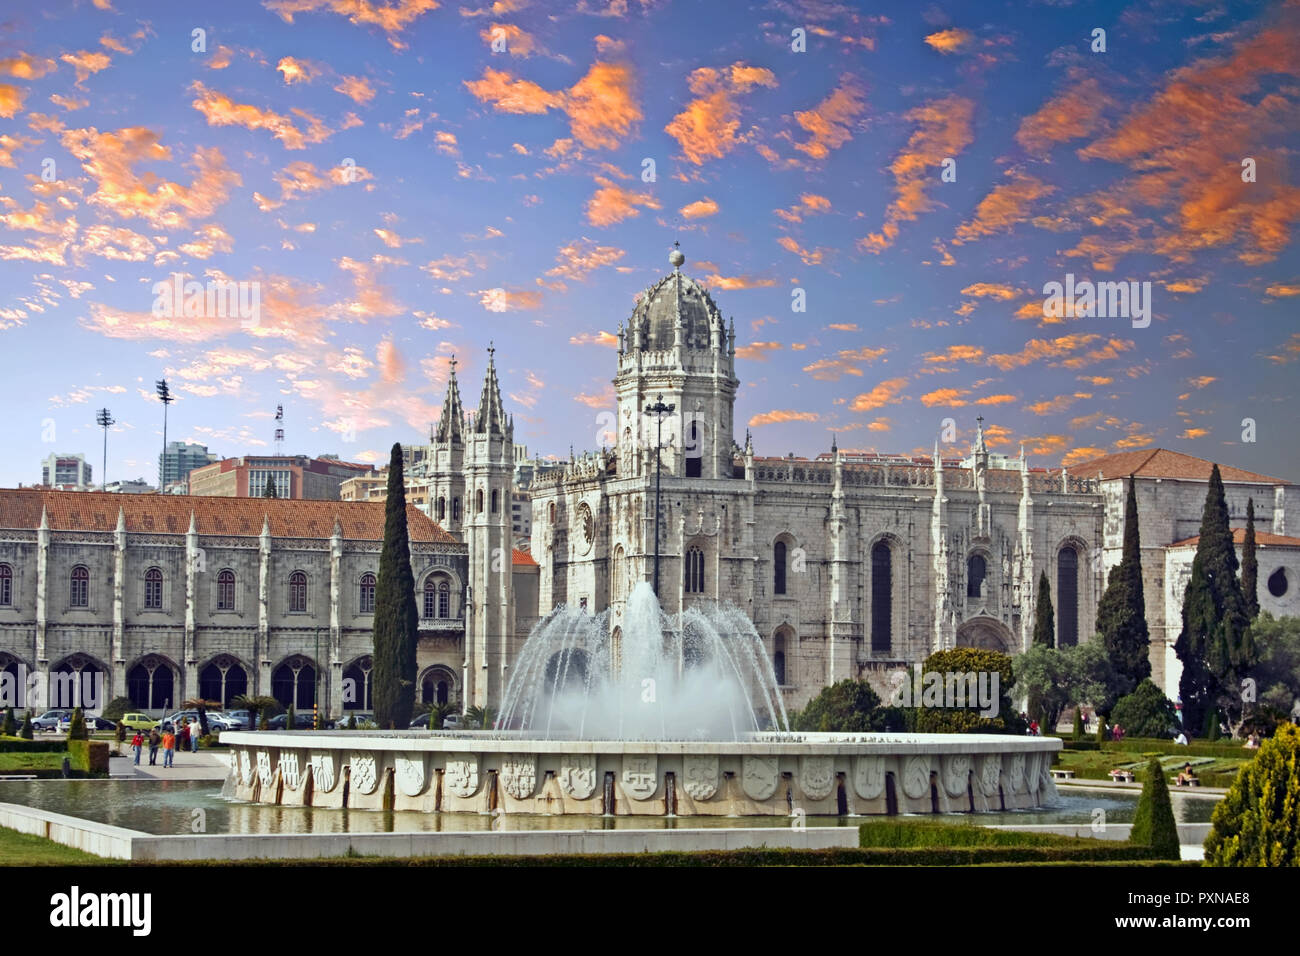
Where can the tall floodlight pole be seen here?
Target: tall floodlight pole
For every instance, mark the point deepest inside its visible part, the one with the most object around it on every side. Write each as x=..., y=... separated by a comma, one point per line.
x=658, y=409
x=164, y=396
x=104, y=419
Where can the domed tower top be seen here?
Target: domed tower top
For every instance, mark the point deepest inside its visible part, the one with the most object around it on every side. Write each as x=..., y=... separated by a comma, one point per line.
x=676, y=310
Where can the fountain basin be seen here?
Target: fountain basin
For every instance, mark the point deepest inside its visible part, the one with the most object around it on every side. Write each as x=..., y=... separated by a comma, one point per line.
x=759, y=774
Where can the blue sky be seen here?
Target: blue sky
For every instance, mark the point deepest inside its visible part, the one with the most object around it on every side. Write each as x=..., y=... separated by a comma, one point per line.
x=521, y=169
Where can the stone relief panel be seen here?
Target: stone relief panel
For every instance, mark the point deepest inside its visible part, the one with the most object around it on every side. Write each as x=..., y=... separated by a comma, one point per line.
x=639, y=775
x=990, y=768
x=701, y=773
x=816, y=777
x=578, y=775
x=246, y=767
x=290, y=769
x=264, y=767
x=758, y=776
x=869, y=777
x=519, y=775
x=1015, y=770
x=365, y=771
x=461, y=775
x=324, y=770
x=956, y=774
x=916, y=776
x=412, y=772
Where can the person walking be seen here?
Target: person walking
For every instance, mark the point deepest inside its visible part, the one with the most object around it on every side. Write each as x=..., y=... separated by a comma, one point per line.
x=196, y=730
x=137, y=744
x=169, y=747
x=154, y=740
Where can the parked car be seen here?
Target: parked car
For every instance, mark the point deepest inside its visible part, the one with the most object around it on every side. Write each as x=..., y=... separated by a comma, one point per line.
x=50, y=720
x=224, y=721
x=92, y=724
x=138, y=721
x=451, y=722
x=303, y=721
x=241, y=717
x=341, y=722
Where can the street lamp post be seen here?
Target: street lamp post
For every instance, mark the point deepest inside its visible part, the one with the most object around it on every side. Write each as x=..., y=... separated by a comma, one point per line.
x=104, y=419
x=164, y=396
x=658, y=409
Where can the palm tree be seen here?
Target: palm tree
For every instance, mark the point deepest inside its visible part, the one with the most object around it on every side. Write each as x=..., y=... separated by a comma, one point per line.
x=202, y=706
x=436, y=714
x=254, y=703
x=479, y=718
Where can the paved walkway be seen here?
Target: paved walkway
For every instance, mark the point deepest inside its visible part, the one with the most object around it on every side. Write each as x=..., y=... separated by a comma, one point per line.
x=204, y=765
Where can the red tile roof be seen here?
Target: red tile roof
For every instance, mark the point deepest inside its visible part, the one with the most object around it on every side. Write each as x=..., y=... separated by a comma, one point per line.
x=170, y=514
x=1264, y=539
x=1163, y=463
x=522, y=558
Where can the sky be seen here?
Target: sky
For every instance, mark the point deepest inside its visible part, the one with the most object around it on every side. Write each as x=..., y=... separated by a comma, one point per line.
x=879, y=194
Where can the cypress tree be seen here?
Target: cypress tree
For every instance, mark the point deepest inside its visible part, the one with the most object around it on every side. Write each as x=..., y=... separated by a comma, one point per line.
x=1122, y=612
x=1215, y=644
x=1044, y=616
x=1153, y=823
x=1250, y=564
x=396, y=622
x=268, y=491
x=10, y=727
x=26, y=732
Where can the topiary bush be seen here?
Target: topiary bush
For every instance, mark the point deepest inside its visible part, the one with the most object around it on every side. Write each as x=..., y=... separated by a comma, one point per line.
x=844, y=707
x=117, y=708
x=77, y=726
x=27, y=733
x=1078, y=723
x=1258, y=822
x=1153, y=823
x=10, y=726
x=1146, y=712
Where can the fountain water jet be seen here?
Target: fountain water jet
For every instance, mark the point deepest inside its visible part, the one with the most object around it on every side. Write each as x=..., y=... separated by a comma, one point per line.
x=703, y=674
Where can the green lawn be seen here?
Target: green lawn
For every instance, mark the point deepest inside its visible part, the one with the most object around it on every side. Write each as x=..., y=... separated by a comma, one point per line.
x=30, y=761
x=1096, y=765
x=22, y=849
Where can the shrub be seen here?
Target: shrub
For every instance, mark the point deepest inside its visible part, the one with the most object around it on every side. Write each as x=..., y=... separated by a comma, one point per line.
x=1101, y=730
x=77, y=726
x=27, y=733
x=117, y=708
x=963, y=660
x=1258, y=822
x=88, y=756
x=1153, y=823
x=1146, y=712
x=10, y=727
x=843, y=707
x=1078, y=723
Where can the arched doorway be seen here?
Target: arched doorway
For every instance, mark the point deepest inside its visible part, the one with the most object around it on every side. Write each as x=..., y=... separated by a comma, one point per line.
x=223, y=678
x=151, y=683
x=79, y=680
x=438, y=686
x=356, y=684
x=987, y=634
x=293, y=682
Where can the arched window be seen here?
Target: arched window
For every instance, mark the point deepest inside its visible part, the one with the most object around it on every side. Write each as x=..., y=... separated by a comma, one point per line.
x=223, y=679
x=1067, y=598
x=616, y=575
x=478, y=502
x=366, y=602
x=496, y=500
x=694, y=453
x=455, y=509
x=226, y=590
x=975, y=571
x=444, y=600
x=298, y=592
x=882, y=596
x=6, y=585
x=356, y=684
x=150, y=684
x=778, y=568
x=79, y=590
x=1277, y=583
x=430, y=597
x=294, y=683
x=778, y=658
x=550, y=512
x=695, y=571
x=153, y=581
x=442, y=507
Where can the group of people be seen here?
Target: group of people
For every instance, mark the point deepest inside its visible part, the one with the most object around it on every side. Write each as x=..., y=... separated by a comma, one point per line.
x=169, y=740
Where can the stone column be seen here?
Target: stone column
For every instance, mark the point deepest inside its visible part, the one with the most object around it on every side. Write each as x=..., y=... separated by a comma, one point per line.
x=194, y=564
x=334, y=676
x=42, y=587
x=118, y=654
x=262, y=643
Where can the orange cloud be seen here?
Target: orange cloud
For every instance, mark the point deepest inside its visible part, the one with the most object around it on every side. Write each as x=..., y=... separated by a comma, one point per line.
x=599, y=338
x=995, y=400
x=517, y=42
x=846, y=362
x=949, y=397
x=949, y=41
x=220, y=110
x=776, y=417
x=1053, y=405
x=85, y=63
x=808, y=204
x=297, y=71
x=990, y=290
x=1062, y=348
x=699, y=209
x=1003, y=208
x=392, y=16
x=11, y=99
x=943, y=130
x=612, y=203
x=707, y=128
x=956, y=353
x=356, y=88
x=757, y=351
x=886, y=393
x=830, y=123
x=580, y=258
x=24, y=66
x=1072, y=114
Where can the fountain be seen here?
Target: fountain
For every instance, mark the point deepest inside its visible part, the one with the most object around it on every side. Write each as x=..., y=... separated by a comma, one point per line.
x=674, y=715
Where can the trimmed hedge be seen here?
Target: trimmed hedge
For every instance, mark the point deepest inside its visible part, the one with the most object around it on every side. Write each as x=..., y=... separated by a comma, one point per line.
x=1143, y=745
x=88, y=756
x=21, y=745
x=914, y=834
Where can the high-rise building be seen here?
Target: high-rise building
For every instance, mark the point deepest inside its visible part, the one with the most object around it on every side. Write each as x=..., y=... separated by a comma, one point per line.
x=70, y=472
x=180, y=458
x=294, y=476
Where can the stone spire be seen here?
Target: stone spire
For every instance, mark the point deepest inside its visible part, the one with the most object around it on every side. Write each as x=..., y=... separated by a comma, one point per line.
x=490, y=417
x=449, y=423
